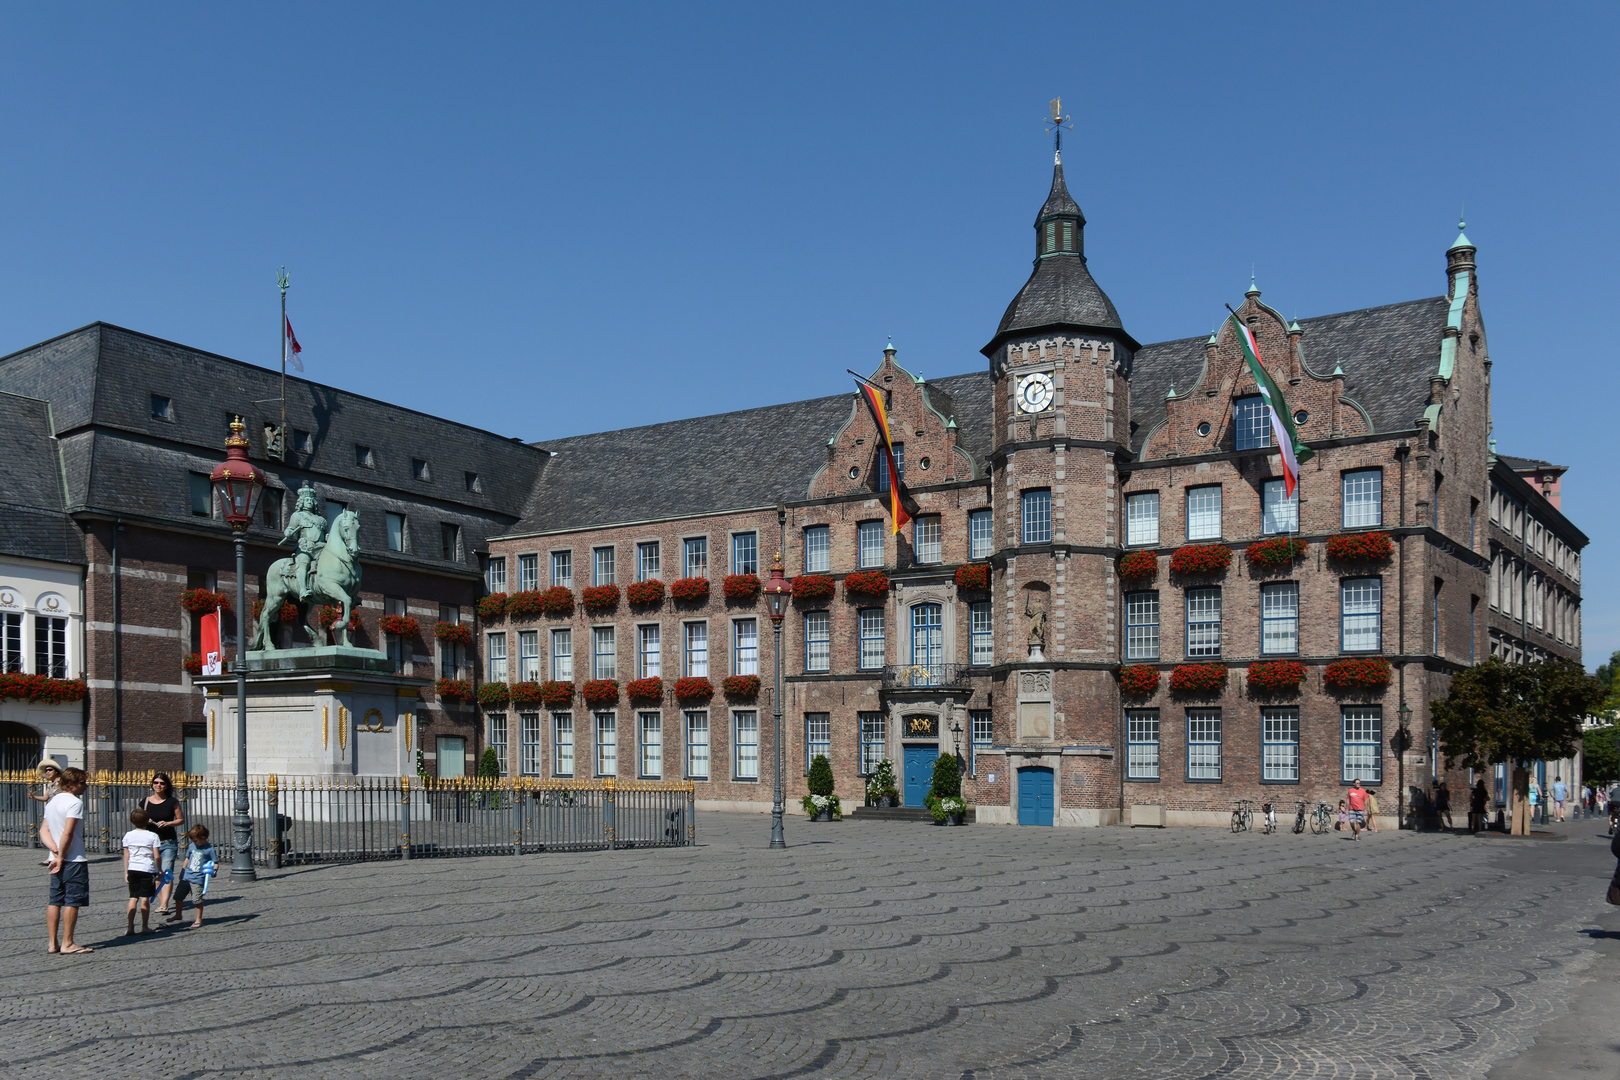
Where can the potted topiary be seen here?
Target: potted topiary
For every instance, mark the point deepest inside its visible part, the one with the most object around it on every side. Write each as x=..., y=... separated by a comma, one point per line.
x=821, y=804
x=945, y=800
x=880, y=786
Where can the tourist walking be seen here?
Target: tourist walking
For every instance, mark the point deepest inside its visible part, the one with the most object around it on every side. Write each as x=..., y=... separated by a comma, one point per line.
x=63, y=835
x=1477, y=798
x=167, y=815
x=199, y=868
x=1372, y=812
x=1560, y=794
x=1442, y=806
x=1344, y=817
x=1357, y=799
x=140, y=870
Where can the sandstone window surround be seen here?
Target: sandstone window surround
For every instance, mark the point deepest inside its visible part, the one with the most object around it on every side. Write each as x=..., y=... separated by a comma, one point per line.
x=1204, y=622
x=926, y=540
x=562, y=569
x=602, y=566
x=607, y=744
x=695, y=555
x=604, y=652
x=651, y=725
x=528, y=573
x=1362, y=498
x=981, y=534
x=981, y=635
x=745, y=553
x=562, y=743
x=745, y=647
x=1361, y=743
x=530, y=734
x=1142, y=625
x=1279, y=618
x=1037, y=516
x=817, y=642
x=1142, y=744
x=817, y=549
x=1279, y=745
x=648, y=560
x=817, y=737
x=869, y=536
x=529, y=656
x=873, y=642
x=1204, y=512
x=1204, y=745
x=697, y=744
x=695, y=662
x=745, y=744
x=649, y=650
x=497, y=738
x=1361, y=614
x=562, y=655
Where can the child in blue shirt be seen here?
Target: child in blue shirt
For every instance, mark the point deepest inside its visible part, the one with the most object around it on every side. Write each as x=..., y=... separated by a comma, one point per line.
x=199, y=868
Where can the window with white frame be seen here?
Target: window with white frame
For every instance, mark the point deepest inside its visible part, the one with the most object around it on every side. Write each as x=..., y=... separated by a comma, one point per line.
x=981, y=534
x=697, y=746
x=981, y=727
x=817, y=737
x=529, y=656
x=647, y=560
x=745, y=744
x=602, y=566
x=745, y=647
x=562, y=655
x=1142, y=744
x=695, y=554
x=981, y=635
x=1038, y=516
x=869, y=537
x=817, y=641
x=1203, y=744
x=744, y=553
x=1361, y=620
x=1142, y=518
x=817, y=549
x=497, y=737
x=1279, y=618
x=562, y=569
x=11, y=643
x=1279, y=745
x=497, y=657
x=874, y=741
x=1362, y=743
x=562, y=743
x=1204, y=622
x=1362, y=498
x=495, y=575
x=696, y=649
x=50, y=647
x=872, y=640
x=604, y=653
x=926, y=536
x=528, y=573
x=530, y=722
x=649, y=650
x=1251, y=423
x=1204, y=512
x=652, y=745
x=1279, y=511
x=1142, y=625
x=607, y=744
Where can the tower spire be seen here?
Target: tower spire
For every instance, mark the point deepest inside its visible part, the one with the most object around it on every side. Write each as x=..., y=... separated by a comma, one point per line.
x=1054, y=126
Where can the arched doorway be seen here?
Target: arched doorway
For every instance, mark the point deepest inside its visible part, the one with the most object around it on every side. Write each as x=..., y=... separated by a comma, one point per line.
x=20, y=747
x=1035, y=791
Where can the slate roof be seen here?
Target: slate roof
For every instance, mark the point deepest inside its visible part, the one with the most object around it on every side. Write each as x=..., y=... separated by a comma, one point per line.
x=1526, y=464
x=1059, y=203
x=32, y=521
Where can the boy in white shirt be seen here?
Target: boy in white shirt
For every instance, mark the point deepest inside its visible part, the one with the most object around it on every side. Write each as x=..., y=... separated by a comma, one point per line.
x=140, y=869
x=63, y=834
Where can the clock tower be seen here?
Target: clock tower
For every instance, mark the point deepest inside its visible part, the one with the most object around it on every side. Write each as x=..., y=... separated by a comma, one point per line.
x=1060, y=363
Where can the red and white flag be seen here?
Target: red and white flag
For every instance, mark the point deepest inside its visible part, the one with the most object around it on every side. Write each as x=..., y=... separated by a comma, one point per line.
x=293, y=348
x=210, y=644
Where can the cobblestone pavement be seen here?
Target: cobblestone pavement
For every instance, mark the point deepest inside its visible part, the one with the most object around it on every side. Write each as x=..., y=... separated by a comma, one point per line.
x=864, y=950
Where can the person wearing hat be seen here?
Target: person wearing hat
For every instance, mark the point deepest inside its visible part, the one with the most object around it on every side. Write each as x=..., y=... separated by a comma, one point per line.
x=49, y=774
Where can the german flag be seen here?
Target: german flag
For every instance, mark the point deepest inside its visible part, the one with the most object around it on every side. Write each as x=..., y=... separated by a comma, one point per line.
x=899, y=502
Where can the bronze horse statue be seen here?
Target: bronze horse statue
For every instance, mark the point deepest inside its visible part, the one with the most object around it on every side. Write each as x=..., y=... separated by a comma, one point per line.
x=335, y=578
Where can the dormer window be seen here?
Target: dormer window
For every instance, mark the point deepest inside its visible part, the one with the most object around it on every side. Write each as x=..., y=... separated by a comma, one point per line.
x=1050, y=244
x=1059, y=237
x=1067, y=237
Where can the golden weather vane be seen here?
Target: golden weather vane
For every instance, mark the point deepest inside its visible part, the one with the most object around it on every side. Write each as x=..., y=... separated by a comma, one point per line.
x=1056, y=121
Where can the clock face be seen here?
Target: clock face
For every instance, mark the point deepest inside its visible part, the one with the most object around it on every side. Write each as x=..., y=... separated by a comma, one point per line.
x=1035, y=392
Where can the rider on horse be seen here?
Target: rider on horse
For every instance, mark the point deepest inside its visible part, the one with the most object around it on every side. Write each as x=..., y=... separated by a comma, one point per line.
x=309, y=525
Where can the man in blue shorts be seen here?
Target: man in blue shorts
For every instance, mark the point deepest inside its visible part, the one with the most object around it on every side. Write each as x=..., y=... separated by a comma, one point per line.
x=63, y=834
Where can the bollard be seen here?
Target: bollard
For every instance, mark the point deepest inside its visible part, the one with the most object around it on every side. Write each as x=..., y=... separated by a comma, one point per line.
x=610, y=816
x=105, y=813
x=691, y=815
x=405, y=816
x=517, y=820
x=36, y=812
x=276, y=833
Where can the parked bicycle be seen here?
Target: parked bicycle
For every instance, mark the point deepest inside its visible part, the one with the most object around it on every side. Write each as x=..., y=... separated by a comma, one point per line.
x=1243, y=816
x=1299, y=817
x=1321, y=818
x=1268, y=818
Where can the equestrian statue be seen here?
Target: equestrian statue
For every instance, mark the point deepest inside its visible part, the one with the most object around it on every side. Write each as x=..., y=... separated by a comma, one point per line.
x=325, y=570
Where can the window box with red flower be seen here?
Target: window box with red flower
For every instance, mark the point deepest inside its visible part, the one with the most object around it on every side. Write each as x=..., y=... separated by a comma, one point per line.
x=492, y=607
x=974, y=577
x=1360, y=547
x=648, y=689
x=647, y=592
x=1278, y=551
x=690, y=590
x=493, y=694
x=1139, y=680
x=289, y=611
x=1193, y=559
x=602, y=692
x=599, y=597
x=191, y=663
x=812, y=586
x=1270, y=676
x=453, y=689
x=740, y=586
x=741, y=686
x=526, y=693
x=41, y=689
x=1139, y=565
x=694, y=688
x=1363, y=673
x=556, y=693
x=454, y=632
x=202, y=601
x=1198, y=678
x=329, y=615
x=867, y=583
x=401, y=626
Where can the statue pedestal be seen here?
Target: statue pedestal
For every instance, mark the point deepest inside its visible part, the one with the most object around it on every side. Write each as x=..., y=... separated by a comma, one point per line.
x=325, y=712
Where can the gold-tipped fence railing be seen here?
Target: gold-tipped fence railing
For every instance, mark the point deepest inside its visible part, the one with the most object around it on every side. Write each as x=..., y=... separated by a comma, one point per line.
x=302, y=819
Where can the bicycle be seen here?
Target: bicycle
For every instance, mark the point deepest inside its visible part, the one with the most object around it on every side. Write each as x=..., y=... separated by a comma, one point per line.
x=1321, y=818
x=1268, y=818
x=1299, y=819
x=1243, y=816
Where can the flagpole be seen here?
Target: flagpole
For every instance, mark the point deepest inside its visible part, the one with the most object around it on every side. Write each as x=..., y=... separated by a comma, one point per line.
x=282, y=281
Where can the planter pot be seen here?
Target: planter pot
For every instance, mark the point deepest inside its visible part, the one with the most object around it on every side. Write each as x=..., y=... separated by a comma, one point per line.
x=887, y=802
x=954, y=819
x=823, y=815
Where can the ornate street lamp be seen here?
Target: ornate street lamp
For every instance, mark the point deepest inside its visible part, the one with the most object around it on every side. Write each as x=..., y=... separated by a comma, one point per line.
x=1401, y=742
x=777, y=594
x=238, y=484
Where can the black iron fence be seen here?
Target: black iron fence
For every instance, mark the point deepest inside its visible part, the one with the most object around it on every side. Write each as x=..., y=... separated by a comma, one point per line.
x=333, y=819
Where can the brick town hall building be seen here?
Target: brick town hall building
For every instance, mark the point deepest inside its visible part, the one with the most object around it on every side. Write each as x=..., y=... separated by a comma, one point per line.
x=1105, y=600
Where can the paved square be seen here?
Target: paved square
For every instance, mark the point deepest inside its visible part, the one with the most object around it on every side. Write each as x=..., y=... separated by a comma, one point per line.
x=864, y=950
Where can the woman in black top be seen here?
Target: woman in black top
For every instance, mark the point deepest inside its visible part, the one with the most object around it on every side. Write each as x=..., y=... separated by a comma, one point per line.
x=1476, y=807
x=167, y=815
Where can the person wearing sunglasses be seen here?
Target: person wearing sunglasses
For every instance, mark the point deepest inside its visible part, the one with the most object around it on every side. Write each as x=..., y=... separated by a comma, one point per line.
x=166, y=816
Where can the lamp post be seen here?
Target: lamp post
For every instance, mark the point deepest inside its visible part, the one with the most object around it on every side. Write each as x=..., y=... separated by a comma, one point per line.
x=1401, y=742
x=238, y=484
x=777, y=592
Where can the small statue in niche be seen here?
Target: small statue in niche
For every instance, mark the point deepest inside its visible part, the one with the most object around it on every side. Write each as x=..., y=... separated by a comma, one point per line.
x=1036, y=614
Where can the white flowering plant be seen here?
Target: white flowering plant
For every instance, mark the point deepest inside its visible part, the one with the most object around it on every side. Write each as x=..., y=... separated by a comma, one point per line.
x=815, y=804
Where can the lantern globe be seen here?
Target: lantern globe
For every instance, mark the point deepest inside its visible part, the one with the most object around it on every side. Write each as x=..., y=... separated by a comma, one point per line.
x=238, y=482
x=777, y=591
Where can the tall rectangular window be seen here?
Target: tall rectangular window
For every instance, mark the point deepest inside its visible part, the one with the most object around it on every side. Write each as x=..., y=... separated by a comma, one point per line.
x=497, y=738
x=981, y=530
x=817, y=549
x=562, y=655
x=395, y=605
x=495, y=575
x=817, y=641
x=926, y=534
x=530, y=722
x=1203, y=744
x=529, y=656
x=695, y=554
x=202, y=495
x=11, y=642
x=497, y=658
x=883, y=466
x=817, y=737
x=745, y=553
x=1142, y=518
x=1204, y=512
x=562, y=743
x=1362, y=743
x=696, y=662
x=869, y=534
x=607, y=744
x=647, y=560
x=396, y=531
x=1142, y=744
x=1279, y=618
x=1435, y=619
x=528, y=573
x=50, y=647
x=1362, y=498
x=562, y=569
x=1204, y=622
x=1361, y=614
x=449, y=651
x=874, y=741
x=1279, y=745
x=1279, y=511
x=1038, y=516
x=270, y=508
x=652, y=745
x=649, y=650
x=1251, y=423
x=981, y=724
x=745, y=743
x=697, y=746
x=745, y=647
x=872, y=639
x=449, y=541
x=602, y=566
x=1142, y=625
x=604, y=653
x=928, y=639
x=982, y=644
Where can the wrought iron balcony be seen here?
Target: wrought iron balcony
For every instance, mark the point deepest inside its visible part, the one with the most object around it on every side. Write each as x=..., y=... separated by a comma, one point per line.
x=926, y=676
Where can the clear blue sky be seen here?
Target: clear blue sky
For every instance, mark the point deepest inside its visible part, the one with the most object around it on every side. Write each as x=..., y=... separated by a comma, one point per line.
x=553, y=219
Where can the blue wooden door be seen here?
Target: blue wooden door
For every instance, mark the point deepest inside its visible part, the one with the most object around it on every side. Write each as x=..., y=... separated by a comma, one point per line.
x=1035, y=796
x=919, y=773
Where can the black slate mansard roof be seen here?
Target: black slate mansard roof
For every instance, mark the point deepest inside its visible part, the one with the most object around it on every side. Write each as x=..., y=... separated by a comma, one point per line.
x=32, y=519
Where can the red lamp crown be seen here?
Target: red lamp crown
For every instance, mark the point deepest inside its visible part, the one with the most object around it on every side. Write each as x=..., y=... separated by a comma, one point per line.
x=237, y=481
